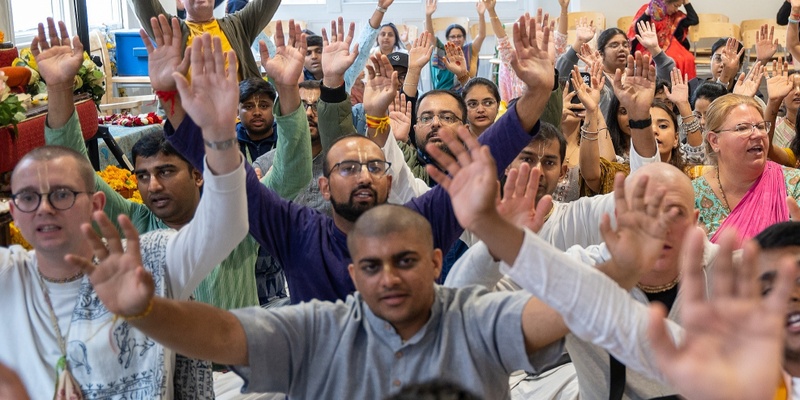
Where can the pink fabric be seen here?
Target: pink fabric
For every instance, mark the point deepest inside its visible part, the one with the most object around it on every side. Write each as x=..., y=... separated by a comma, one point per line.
x=763, y=205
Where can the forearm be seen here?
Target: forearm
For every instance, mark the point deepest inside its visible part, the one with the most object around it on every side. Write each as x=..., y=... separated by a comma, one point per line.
x=775, y=153
x=643, y=140
x=593, y=306
x=604, y=143
x=61, y=104
x=196, y=330
x=664, y=66
x=589, y=156
x=566, y=62
x=375, y=20
x=67, y=134
x=533, y=101
x=412, y=82
x=214, y=231
x=334, y=115
x=563, y=20
x=173, y=109
x=477, y=41
x=497, y=25
x=792, y=39
x=503, y=239
x=429, y=24
x=186, y=139
x=292, y=166
x=694, y=137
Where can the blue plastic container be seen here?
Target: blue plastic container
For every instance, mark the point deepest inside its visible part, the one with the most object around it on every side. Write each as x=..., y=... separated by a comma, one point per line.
x=131, y=54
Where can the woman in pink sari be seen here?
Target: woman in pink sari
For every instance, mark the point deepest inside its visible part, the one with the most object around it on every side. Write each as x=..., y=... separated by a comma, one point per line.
x=745, y=191
x=672, y=29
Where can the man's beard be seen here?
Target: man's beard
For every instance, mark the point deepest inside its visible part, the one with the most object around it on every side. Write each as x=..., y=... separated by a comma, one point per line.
x=350, y=211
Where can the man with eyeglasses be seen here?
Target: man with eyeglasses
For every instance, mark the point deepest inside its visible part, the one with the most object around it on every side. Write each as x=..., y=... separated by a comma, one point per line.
x=53, y=321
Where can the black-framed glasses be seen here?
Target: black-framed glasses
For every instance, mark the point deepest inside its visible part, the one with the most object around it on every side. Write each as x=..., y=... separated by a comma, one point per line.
x=488, y=103
x=60, y=199
x=376, y=168
x=307, y=105
x=446, y=118
x=747, y=128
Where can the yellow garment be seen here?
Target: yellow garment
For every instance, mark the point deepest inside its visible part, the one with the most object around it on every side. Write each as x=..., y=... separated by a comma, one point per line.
x=792, y=157
x=697, y=171
x=782, y=393
x=212, y=28
x=608, y=169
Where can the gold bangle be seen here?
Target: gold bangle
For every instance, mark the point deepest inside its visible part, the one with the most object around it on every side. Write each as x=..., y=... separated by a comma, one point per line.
x=142, y=314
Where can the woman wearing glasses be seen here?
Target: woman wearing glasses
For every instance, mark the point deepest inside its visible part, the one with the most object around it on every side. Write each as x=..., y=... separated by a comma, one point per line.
x=483, y=102
x=745, y=191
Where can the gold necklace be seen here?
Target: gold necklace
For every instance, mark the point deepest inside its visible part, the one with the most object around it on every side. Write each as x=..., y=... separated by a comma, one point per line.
x=660, y=288
x=69, y=279
x=721, y=190
x=572, y=153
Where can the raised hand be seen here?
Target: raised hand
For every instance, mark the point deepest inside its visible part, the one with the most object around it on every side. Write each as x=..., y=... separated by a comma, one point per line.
x=680, y=87
x=286, y=66
x=213, y=95
x=168, y=55
x=589, y=95
x=588, y=55
x=471, y=177
x=480, y=7
x=530, y=61
x=430, y=7
x=584, y=31
x=120, y=280
x=419, y=54
x=59, y=59
x=570, y=109
x=564, y=4
x=780, y=84
x=404, y=34
x=400, y=117
x=730, y=58
x=336, y=54
x=635, y=93
x=648, y=38
x=748, y=85
x=518, y=204
x=549, y=42
x=381, y=86
x=766, y=44
x=454, y=60
x=641, y=230
x=732, y=346
x=490, y=4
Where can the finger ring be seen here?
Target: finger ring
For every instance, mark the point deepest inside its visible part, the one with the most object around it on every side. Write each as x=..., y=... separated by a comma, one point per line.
x=377, y=74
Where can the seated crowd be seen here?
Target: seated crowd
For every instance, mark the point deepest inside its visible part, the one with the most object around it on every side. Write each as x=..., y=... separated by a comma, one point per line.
x=371, y=220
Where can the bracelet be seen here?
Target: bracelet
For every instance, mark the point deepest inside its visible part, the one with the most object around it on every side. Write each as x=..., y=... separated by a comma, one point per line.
x=221, y=145
x=585, y=132
x=682, y=118
x=793, y=20
x=641, y=123
x=381, y=9
x=142, y=314
x=692, y=126
x=464, y=77
x=377, y=123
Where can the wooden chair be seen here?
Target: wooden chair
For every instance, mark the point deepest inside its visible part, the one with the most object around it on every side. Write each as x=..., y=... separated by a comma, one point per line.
x=749, y=42
x=624, y=23
x=755, y=24
x=473, y=30
x=704, y=35
x=111, y=100
x=598, y=17
x=441, y=24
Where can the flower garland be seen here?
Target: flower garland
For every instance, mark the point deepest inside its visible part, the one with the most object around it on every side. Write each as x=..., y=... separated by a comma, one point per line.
x=17, y=238
x=129, y=120
x=122, y=181
x=90, y=78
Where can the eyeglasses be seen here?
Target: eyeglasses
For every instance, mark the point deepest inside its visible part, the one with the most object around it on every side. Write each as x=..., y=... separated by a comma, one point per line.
x=488, y=103
x=616, y=45
x=746, y=129
x=716, y=58
x=376, y=168
x=446, y=118
x=59, y=199
x=455, y=37
x=307, y=105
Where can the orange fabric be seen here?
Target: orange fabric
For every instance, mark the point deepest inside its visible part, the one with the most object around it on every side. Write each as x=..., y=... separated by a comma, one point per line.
x=665, y=30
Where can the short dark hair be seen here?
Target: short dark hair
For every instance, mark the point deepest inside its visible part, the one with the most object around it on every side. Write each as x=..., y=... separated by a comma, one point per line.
x=547, y=133
x=461, y=105
x=252, y=86
x=606, y=36
x=782, y=234
x=310, y=84
x=478, y=81
x=662, y=84
x=455, y=26
x=722, y=42
x=326, y=167
x=50, y=152
x=709, y=91
x=153, y=144
x=313, y=40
